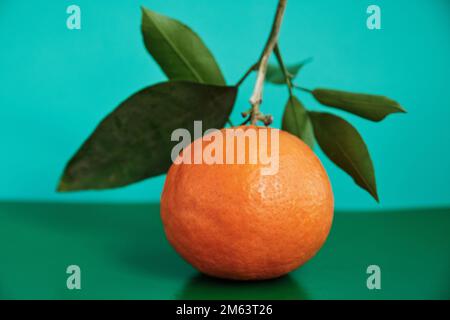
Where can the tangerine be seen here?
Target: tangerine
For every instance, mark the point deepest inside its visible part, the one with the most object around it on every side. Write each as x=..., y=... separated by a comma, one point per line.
x=231, y=221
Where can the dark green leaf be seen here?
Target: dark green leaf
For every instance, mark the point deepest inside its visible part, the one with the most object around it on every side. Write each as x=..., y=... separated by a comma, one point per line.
x=296, y=121
x=340, y=141
x=134, y=141
x=275, y=74
x=179, y=51
x=368, y=106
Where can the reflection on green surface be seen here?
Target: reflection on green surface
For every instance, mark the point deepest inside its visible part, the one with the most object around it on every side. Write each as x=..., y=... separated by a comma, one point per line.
x=123, y=254
x=204, y=287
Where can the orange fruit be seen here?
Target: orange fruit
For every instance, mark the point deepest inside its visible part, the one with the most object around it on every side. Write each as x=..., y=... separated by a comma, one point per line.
x=231, y=221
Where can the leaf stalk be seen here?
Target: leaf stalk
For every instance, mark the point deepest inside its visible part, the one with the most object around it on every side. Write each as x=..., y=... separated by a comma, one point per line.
x=302, y=88
x=247, y=73
x=287, y=76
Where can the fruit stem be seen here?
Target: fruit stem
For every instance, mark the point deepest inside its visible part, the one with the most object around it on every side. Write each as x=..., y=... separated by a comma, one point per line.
x=256, y=98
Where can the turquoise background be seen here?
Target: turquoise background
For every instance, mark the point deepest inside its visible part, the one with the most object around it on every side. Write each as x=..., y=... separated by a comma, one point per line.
x=57, y=84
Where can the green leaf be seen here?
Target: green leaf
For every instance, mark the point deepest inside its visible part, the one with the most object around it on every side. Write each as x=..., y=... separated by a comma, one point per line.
x=134, y=141
x=368, y=106
x=340, y=141
x=296, y=121
x=179, y=51
x=275, y=75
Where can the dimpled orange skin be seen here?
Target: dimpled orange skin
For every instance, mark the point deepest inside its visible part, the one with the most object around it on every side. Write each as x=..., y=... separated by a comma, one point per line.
x=230, y=221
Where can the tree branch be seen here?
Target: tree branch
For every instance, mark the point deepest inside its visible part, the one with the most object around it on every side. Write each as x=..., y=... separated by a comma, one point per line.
x=256, y=97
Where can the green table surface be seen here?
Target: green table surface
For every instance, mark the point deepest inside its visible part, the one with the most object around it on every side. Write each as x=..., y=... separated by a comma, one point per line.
x=123, y=254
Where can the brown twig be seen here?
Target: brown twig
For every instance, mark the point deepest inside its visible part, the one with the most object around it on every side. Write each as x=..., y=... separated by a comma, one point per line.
x=256, y=98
